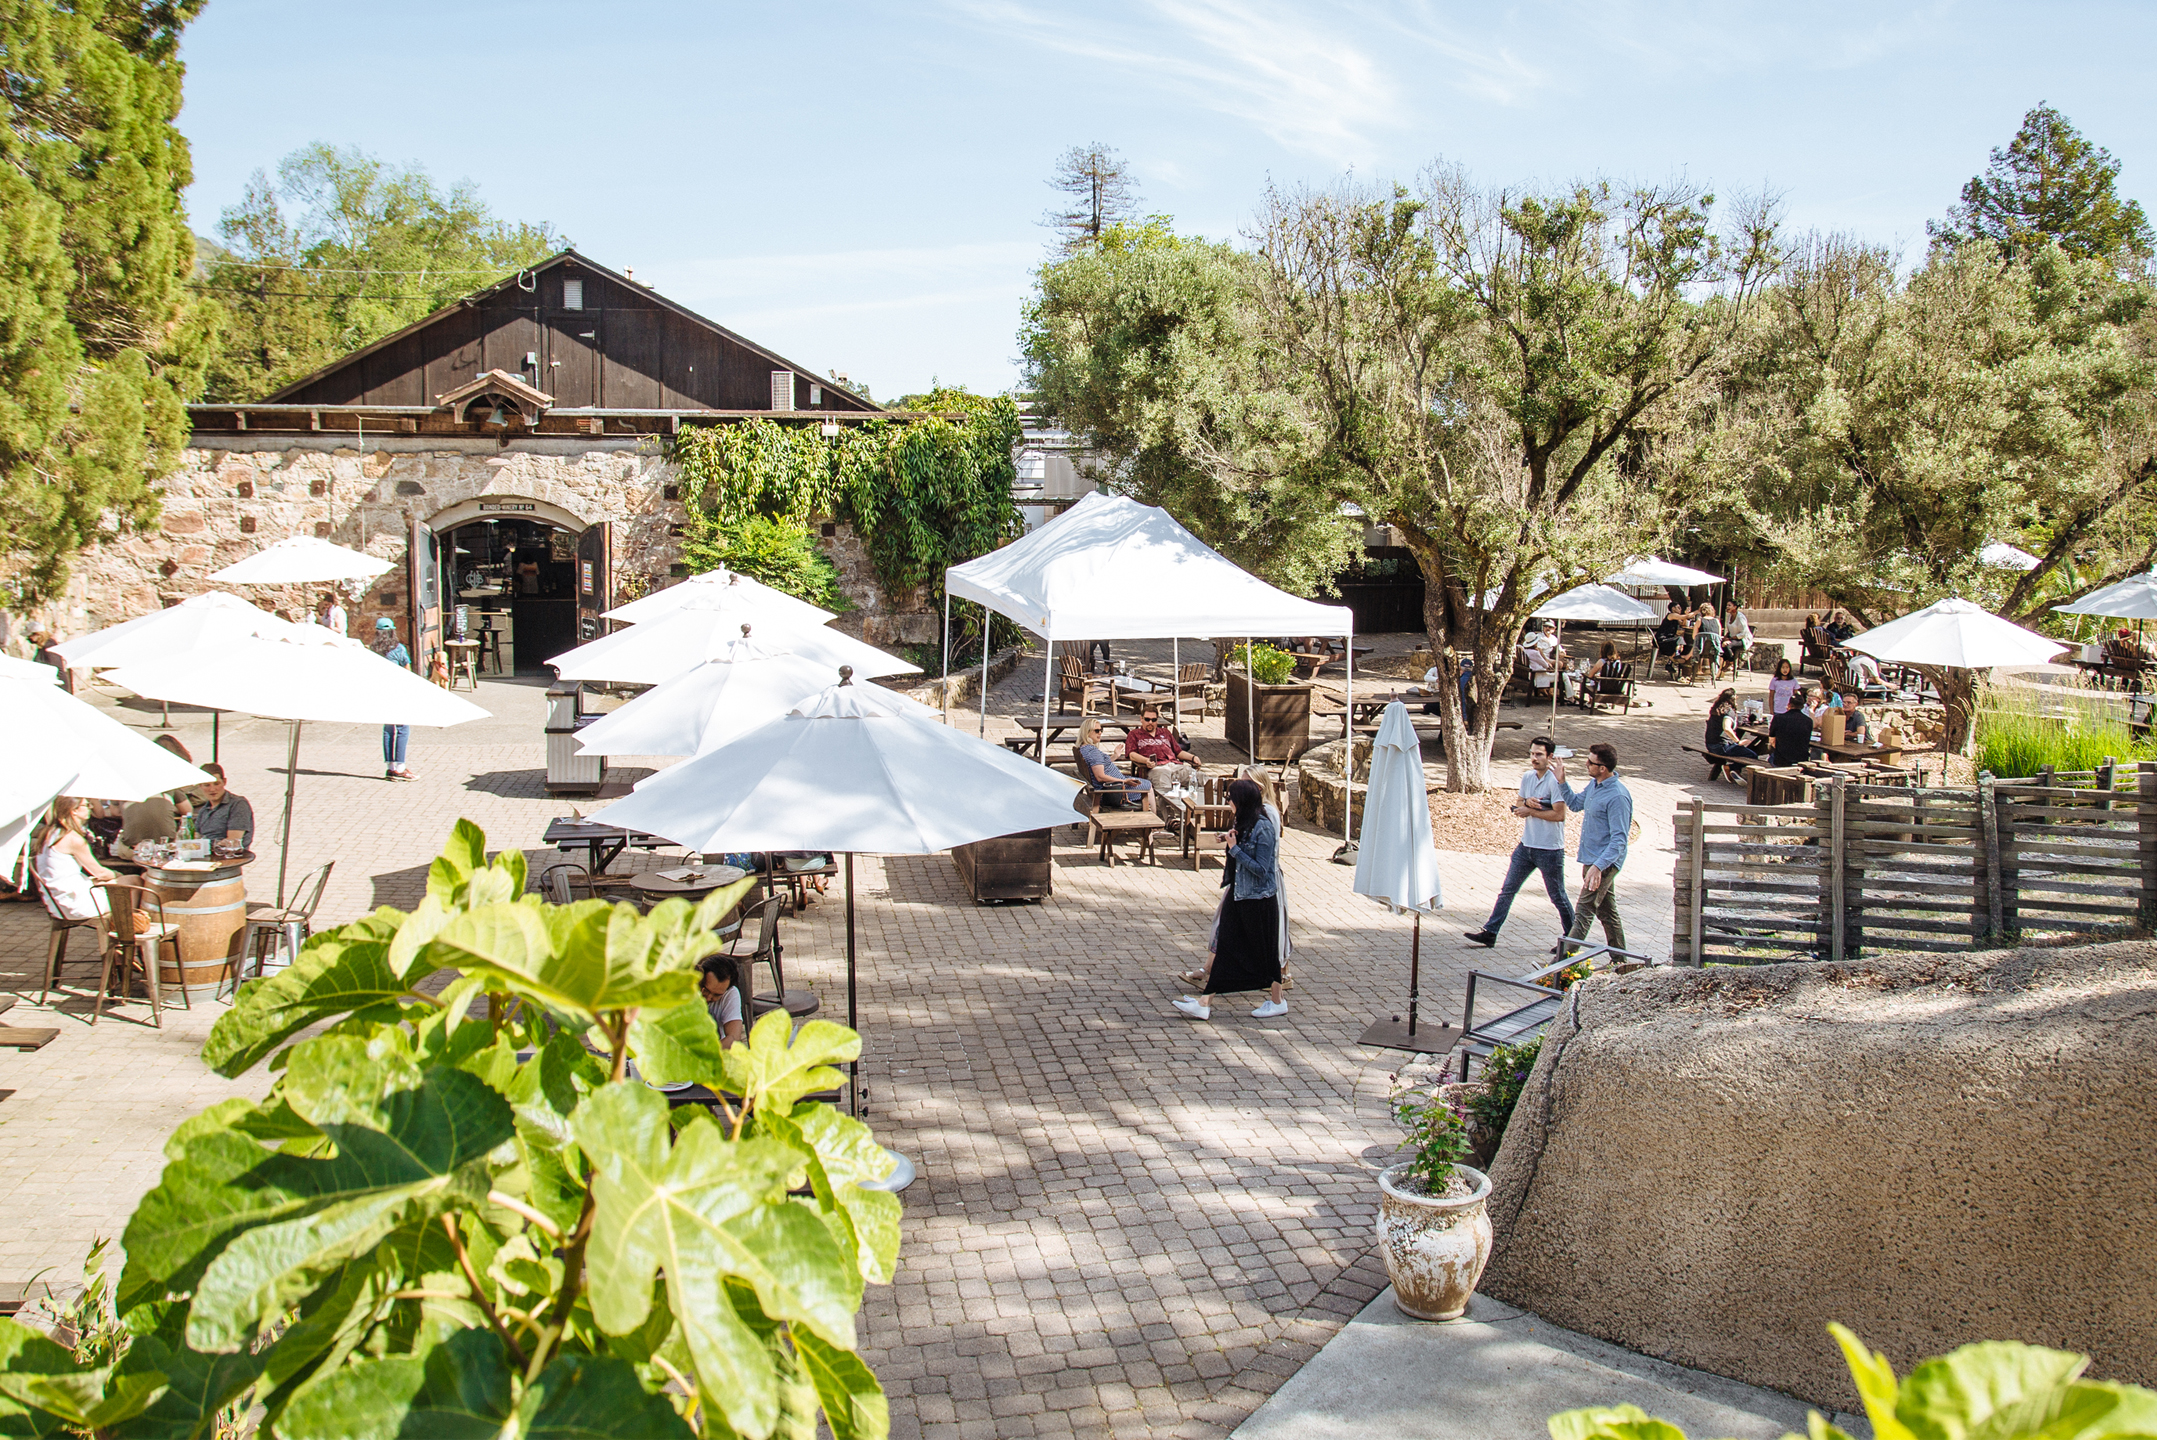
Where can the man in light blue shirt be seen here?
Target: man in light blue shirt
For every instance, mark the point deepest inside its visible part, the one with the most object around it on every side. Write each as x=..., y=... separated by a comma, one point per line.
x=1606, y=811
x=1542, y=843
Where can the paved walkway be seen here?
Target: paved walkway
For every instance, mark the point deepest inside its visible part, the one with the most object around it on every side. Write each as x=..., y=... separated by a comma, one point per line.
x=1126, y=1223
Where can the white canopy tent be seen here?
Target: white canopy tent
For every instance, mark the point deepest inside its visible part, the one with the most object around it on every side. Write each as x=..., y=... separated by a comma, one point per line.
x=1110, y=568
x=301, y=560
x=717, y=582
x=295, y=682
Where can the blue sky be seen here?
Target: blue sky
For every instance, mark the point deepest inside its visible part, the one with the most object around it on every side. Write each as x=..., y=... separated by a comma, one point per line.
x=859, y=186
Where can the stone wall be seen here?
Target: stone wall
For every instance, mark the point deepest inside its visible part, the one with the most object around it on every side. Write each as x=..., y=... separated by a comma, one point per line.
x=890, y=620
x=232, y=495
x=1709, y=1166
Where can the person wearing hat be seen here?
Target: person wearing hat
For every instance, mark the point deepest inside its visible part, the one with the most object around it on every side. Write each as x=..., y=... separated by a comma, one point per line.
x=1540, y=650
x=394, y=737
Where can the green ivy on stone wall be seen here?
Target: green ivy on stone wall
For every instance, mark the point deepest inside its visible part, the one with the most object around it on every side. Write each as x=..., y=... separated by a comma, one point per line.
x=922, y=494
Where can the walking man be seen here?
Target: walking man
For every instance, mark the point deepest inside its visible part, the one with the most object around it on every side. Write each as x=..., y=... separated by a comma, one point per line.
x=1542, y=842
x=1606, y=811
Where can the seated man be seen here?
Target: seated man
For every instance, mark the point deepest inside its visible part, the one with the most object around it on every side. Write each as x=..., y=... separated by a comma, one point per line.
x=1158, y=753
x=1099, y=772
x=1791, y=733
x=223, y=813
x=1838, y=628
x=153, y=818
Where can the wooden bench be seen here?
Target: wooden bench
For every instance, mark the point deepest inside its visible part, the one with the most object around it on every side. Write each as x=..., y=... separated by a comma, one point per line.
x=24, y=1037
x=1734, y=763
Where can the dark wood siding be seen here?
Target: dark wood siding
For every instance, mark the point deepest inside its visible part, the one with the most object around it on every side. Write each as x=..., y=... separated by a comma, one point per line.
x=640, y=354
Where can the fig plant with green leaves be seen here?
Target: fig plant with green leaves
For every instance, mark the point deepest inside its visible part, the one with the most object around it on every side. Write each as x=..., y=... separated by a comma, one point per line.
x=1992, y=1390
x=456, y=1213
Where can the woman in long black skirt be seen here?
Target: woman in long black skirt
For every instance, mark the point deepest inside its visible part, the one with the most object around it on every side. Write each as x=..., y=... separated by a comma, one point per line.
x=1247, y=948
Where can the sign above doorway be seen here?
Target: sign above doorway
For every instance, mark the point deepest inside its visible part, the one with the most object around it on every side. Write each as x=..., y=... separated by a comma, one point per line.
x=524, y=506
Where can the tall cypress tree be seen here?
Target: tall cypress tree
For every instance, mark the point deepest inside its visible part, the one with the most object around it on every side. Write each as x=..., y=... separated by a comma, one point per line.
x=2049, y=182
x=100, y=343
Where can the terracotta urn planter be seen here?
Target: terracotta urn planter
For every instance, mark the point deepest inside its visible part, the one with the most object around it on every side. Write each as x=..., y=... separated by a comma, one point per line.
x=1435, y=1248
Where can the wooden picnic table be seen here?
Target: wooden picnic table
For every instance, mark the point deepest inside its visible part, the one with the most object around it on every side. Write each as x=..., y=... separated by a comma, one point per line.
x=1846, y=752
x=605, y=843
x=1034, y=734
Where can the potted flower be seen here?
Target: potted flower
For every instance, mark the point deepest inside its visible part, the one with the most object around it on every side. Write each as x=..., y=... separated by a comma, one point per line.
x=1262, y=677
x=1432, y=1227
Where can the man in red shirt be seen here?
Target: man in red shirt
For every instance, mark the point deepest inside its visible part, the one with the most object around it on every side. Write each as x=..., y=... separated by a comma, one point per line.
x=1158, y=752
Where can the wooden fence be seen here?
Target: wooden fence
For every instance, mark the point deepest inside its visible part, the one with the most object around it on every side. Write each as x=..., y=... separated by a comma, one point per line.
x=1894, y=867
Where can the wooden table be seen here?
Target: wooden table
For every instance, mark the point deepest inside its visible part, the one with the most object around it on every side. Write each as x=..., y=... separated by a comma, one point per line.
x=714, y=877
x=1029, y=744
x=604, y=843
x=206, y=901
x=464, y=660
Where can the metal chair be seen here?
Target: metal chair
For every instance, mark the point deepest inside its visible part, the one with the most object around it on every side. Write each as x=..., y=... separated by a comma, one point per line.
x=285, y=931
x=770, y=953
x=1527, y=1020
x=131, y=945
x=561, y=883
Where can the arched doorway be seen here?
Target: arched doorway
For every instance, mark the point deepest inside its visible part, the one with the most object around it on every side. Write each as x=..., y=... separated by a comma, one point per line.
x=529, y=578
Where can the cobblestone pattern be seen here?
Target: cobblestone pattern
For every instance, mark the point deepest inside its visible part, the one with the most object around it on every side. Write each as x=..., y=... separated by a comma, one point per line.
x=1125, y=1223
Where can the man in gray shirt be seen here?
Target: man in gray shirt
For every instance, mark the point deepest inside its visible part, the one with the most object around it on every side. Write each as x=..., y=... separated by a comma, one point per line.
x=1541, y=808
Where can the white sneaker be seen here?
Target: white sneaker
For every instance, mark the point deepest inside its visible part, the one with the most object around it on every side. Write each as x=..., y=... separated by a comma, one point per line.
x=1196, y=1009
x=1270, y=1009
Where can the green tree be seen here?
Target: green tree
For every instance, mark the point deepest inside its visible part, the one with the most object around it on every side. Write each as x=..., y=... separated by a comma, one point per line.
x=1884, y=431
x=100, y=345
x=2049, y=183
x=1494, y=373
x=340, y=250
x=1145, y=348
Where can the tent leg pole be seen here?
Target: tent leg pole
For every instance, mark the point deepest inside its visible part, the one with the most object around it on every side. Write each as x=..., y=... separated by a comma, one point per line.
x=1415, y=970
x=986, y=614
x=1250, y=698
x=1048, y=667
x=1348, y=742
x=1175, y=681
x=947, y=657
x=853, y=1067
x=292, y=774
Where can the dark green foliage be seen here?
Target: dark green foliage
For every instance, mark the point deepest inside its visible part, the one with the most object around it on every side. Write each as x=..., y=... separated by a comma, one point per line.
x=2050, y=183
x=1504, y=1073
x=100, y=345
x=340, y=250
x=922, y=494
x=449, y=1218
x=1437, y=1137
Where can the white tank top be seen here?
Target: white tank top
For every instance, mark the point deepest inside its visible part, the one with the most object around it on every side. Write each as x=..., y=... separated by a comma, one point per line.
x=66, y=885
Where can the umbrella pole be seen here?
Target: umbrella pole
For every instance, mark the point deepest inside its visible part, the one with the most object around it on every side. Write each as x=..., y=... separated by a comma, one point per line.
x=1415, y=970
x=284, y=844
x=1048, y=665
x=985, y=615
x=165, y=720
x=215, y=716
x=853, y=1067
x=1250, y=699
x=1348, y=741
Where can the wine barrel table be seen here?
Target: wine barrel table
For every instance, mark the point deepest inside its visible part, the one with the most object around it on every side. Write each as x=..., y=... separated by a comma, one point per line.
x=206, y=900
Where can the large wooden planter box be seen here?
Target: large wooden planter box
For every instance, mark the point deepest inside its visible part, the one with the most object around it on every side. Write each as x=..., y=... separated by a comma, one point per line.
x=1284, y=719
x=1010, y=867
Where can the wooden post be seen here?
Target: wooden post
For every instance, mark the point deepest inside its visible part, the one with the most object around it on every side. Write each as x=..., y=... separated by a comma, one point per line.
x=1700, y=878
x=2003, y=810
x=2105, y=773
x=2146, y=829
x=1991, y=921
x=1681, y=891
x=1837, y=865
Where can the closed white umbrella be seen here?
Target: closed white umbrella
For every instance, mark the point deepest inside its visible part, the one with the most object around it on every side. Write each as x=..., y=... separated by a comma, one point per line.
x=717, y=582
x=14, y=669
x=1397, y=864
x=1956, y=634
x=849, y=770
x=701, y=629
x=300, y=560
x=1648, y=570
x=103, y=759
x=2134, y=598
x=296, y=682
x=718, y=701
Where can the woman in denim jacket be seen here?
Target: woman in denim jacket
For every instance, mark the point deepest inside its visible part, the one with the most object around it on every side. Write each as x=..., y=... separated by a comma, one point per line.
x=1247, y=953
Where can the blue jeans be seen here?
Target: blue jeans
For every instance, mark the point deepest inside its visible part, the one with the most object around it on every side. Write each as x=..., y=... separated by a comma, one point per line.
x=1525, y=861
x=393, y=739
x=1742, y=752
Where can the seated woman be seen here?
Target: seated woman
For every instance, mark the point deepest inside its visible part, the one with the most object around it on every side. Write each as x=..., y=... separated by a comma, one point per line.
x=721, y=989
x=1865, y=672
x=66, y=870
x=1100, y=774
x=1722, y=735
x=1157, y=752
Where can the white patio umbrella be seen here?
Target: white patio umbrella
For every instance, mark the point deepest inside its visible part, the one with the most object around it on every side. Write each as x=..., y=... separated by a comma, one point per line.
x=14, y=669
x=717, y=582
x=1397, y=863
x=27, y=786
x=1648, y=570
x=301, y=559
x=848, y=771
x=720, y=700
x=2000, y=555
x=297, y=682
x=105, y=759
x=1588, y=602
x=210, y=619
x=1956, y=634
x=701, y=629
x=2134, y=598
